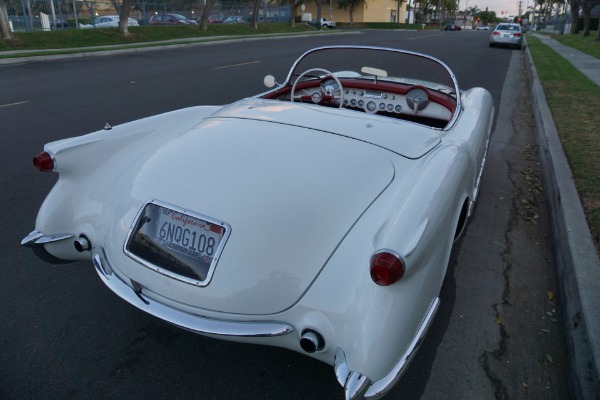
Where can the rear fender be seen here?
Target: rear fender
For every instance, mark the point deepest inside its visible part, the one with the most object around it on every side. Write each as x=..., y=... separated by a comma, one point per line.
x=375, y=325
x=81, y=155
x=423, y=228
x=89, y=165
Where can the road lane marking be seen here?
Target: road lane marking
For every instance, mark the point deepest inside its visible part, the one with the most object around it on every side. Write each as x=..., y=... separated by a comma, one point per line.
x=14, y=104
x=237, y=65
x=423, y=37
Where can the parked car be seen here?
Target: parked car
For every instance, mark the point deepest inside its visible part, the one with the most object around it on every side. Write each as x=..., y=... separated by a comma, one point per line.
x=107, y=21
x=60, y=24
x=234, y=20
x=325, y=23
x=171, y=19
x=212, y=19
x=482, y=28
x=507, y=34
x=215, y=19
x=452, y=27
x=318, y=216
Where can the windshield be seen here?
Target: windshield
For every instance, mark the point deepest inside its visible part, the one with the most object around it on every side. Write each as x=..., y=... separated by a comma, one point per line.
x=378, y=64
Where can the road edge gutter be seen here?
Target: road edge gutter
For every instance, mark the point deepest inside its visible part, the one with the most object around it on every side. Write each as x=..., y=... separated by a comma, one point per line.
x=577, y=262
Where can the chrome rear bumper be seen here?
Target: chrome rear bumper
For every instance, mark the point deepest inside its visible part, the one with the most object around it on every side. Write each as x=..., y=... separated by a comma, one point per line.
x=195, y=323
x=355, y=384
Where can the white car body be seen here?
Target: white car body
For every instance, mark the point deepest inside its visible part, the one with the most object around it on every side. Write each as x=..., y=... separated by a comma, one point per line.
x=326, y=23
x=304, y=185
x=233, y=20
x=108, y=21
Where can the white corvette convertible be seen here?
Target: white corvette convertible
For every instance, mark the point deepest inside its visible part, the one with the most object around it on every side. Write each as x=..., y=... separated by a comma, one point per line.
x=318, y=216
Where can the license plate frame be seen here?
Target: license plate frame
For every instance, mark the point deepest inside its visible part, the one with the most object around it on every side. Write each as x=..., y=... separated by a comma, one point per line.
x=177, y=242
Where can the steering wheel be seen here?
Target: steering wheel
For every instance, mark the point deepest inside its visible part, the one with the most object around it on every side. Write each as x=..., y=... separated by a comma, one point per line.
x=322, y=95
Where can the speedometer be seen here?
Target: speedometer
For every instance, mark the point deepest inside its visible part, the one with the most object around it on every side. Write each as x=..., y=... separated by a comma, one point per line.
x=329, y=86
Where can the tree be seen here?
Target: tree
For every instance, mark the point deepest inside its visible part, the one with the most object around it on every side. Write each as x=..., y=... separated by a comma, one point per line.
x=398, y=10
x=124, y=18
x=255, y=8
x=292, y=4
x=319, y=12
x=205, y=11
x=586, y=7
x=574, y=16
x=539, y=13
x=486, y=17
x=4, y=25
x=349, y=5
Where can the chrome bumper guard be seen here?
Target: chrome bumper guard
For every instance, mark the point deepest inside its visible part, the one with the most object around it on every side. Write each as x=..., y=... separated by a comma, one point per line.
x=195, y=323
x=357, y=385
x=38, y=239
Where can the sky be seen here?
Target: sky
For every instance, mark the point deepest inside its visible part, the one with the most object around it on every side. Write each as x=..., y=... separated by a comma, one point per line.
x=510, y=7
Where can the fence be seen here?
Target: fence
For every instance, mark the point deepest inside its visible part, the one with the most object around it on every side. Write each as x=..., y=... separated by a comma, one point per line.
x=36, y=15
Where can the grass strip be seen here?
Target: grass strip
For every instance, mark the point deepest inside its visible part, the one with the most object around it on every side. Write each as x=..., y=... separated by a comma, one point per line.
x=78, y=38
x=574, y=101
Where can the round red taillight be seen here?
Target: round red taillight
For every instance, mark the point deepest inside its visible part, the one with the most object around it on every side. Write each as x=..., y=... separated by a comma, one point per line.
x=386, y=268
x=44, y=162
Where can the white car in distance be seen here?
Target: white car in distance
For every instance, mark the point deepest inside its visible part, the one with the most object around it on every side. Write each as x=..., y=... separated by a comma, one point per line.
x=107, y=21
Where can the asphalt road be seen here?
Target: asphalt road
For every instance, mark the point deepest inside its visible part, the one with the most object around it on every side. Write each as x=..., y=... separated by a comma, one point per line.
x=64, y=335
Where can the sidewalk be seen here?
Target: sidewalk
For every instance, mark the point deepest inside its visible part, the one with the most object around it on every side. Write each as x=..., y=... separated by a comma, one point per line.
x=588, y=65
x=577, y=262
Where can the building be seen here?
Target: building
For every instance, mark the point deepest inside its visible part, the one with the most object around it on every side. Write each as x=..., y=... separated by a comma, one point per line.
x=366, y=11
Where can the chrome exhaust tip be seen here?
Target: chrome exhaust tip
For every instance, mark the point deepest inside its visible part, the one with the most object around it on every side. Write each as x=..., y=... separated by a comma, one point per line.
x=82, y=244
x=311, y=341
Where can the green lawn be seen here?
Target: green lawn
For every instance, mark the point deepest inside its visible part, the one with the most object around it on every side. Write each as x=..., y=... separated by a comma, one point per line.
x=77, y=38
x=582, y=43
x=575, y=106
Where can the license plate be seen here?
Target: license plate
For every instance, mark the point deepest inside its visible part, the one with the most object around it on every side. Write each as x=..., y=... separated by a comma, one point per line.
x=184, y=234
x=176, y=242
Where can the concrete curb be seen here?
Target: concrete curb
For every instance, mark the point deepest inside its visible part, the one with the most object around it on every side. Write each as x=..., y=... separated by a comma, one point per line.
x=577, y=262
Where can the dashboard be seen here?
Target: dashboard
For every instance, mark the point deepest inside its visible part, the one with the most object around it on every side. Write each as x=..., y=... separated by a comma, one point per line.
x=392, y=99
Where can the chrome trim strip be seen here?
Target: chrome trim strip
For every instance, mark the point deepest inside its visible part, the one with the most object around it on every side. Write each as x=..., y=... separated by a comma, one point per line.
x=37, y=238
x=475, y=193
x=379, y=388
x=194, y=323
